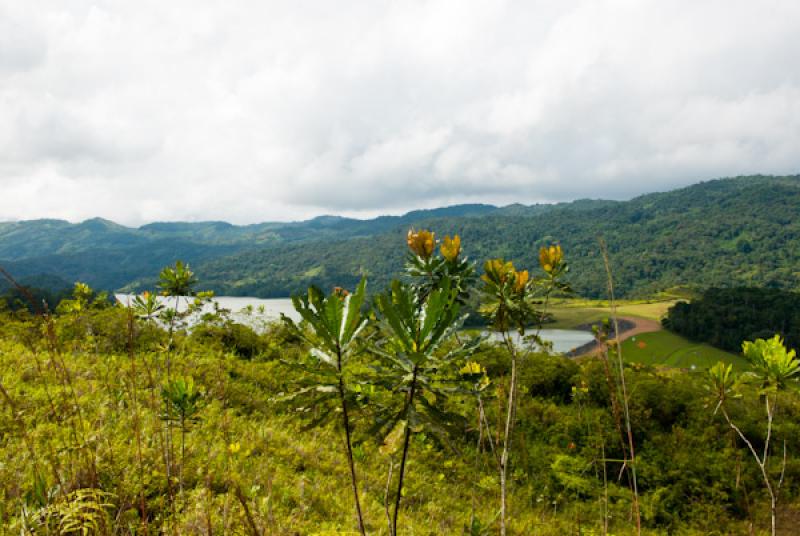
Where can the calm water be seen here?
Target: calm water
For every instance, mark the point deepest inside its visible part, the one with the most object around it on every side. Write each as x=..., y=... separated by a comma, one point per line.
x=267, y=310
x=262, y=309
x=563, y=340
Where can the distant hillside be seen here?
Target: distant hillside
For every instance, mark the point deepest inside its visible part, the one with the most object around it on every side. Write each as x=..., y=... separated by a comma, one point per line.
x=739, y=231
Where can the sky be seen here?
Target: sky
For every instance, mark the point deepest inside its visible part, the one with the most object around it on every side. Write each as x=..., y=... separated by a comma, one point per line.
x=254, y=111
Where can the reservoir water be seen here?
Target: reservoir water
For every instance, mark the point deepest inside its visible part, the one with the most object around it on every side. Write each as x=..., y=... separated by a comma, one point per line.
x=254, y=312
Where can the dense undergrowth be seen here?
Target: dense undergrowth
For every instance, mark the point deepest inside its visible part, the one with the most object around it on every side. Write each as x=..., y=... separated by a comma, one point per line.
x=379, y=414
x=87, y=415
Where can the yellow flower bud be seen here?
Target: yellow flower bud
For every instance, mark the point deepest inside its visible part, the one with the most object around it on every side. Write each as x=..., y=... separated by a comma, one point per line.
x=550, y=258
x=497, y=271
x=520, y=280
x=340, y=293
x=471, y=367
x=451, y=247
x=421, y=243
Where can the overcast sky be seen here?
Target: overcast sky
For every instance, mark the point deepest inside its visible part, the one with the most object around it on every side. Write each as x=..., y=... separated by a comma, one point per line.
x=255, y=111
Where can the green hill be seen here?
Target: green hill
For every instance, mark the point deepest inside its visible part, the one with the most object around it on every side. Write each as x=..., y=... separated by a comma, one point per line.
x=729, y=232
x=726, y=232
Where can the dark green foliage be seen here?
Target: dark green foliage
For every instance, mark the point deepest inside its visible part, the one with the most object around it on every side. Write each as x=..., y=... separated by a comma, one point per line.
x=686, y=237
x=16, y=299
x=740, y=231
x=550, y=377
x=726, y=317
x=231, y=337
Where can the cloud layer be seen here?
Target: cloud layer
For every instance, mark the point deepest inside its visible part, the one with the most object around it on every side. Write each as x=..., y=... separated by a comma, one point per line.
x=255, y=111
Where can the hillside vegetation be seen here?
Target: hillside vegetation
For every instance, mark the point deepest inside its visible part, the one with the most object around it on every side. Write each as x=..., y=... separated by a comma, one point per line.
x=729, y=232
x=381, y=415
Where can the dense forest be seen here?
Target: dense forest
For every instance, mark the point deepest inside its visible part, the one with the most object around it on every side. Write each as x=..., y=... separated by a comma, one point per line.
x=729, y=232
x=726, y=317
x=377, y=414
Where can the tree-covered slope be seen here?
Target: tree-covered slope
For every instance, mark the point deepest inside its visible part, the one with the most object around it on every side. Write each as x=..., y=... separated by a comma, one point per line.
x=727, y=232
x=741, y=231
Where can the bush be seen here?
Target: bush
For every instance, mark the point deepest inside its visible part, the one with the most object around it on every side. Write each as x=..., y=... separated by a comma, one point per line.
x=549, y=376
x=230, y=336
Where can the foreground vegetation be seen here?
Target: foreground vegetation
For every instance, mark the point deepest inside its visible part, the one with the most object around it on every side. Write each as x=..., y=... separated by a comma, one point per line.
x=380, y=418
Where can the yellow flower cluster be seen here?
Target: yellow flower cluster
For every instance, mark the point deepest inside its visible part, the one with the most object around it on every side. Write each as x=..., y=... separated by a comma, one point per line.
x=499, y=272
x=520, y=280
x=471, y=367
x=451, y=247
x=421, y=243
x=550, y=258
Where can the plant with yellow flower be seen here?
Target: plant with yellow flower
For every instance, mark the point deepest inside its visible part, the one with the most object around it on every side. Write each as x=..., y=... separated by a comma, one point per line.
x=419, y=352
x=511, y=302
x=427, y=269
x=550, y=259
x=146, y=306
x=421, y=242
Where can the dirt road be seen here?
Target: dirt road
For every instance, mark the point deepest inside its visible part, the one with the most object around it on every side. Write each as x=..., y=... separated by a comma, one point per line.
x=635, y=327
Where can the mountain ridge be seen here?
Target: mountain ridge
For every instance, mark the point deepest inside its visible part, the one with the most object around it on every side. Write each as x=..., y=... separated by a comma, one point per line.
x=710, y=233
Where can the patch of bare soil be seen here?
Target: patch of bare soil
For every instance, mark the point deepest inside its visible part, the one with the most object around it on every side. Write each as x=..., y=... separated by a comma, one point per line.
x=629, y=327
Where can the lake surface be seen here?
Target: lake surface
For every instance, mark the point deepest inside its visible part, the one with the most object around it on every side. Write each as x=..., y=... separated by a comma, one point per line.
x=255, y=312
x=563, y=340
x=264, y=310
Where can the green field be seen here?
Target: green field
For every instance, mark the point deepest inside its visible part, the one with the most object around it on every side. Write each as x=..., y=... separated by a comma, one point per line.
x=656, y=348
x=666, y=348
x=569, y=314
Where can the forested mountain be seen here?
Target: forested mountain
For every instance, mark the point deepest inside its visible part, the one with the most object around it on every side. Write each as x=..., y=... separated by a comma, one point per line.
x=727, y=232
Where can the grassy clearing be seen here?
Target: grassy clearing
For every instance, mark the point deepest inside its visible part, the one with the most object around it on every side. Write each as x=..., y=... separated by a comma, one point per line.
x=666, y=348
x=570, y=314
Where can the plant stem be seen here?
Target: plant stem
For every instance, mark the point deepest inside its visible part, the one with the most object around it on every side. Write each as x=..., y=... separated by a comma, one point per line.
x=510, y=412
x=353, y=481
x=761, y=465
x=406, y=439
x=136, y=420
x=607, y=263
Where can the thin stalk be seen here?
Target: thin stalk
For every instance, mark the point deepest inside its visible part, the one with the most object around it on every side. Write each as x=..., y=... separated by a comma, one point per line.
x=605, y=486
x=406, y=439
x=353, y=481
x=510, y=412
x=625, y=407
x=386, y=495
x=761, y=465
x=182, y=497
x=137, y=425
x=478, y=452
x=251, y=523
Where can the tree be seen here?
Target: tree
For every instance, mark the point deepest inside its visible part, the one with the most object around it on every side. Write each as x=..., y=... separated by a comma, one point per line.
x=510, y=302
x=776, y=369
x=415, y=350
x=182, y=402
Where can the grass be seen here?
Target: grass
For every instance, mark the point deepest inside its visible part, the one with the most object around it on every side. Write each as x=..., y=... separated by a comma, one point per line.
x=655, y=348
x=570, y=314
x=666, y=348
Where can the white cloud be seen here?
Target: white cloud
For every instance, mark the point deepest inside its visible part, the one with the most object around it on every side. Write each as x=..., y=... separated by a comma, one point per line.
x=253, y=111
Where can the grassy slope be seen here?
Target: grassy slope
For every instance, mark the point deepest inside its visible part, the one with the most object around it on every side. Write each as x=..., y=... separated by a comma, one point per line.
x=292, y=479
x=570, y=314
x=657, y=348
x=666, y=348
